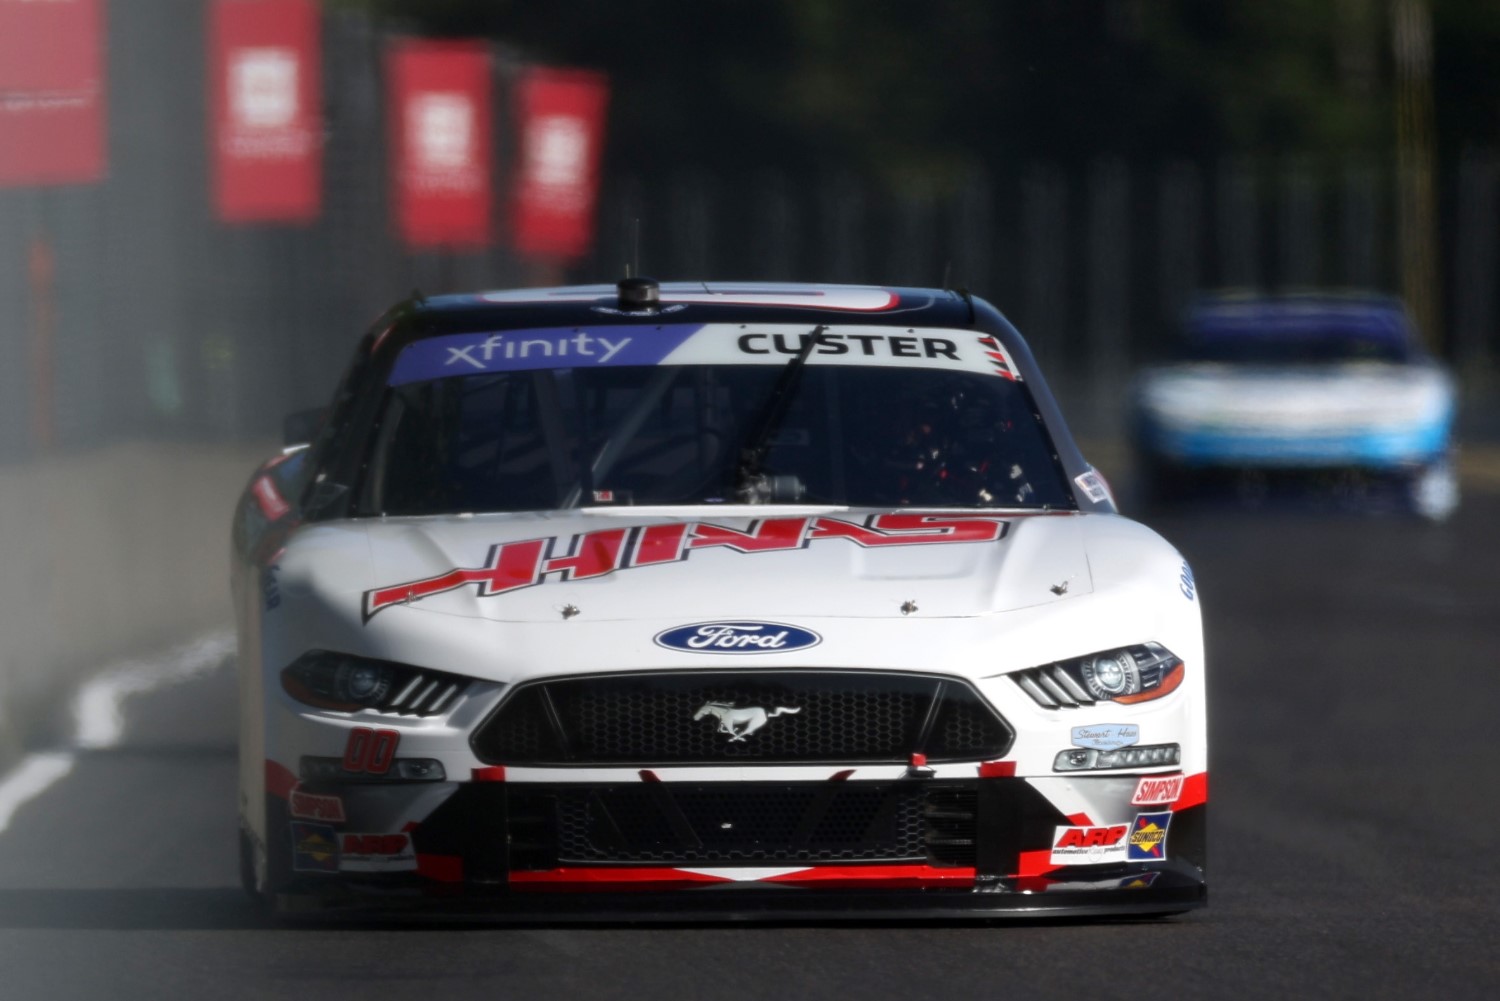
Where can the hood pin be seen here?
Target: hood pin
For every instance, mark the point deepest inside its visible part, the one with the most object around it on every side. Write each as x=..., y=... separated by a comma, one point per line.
x=907, y=607
x=568, y=611
x=1059, y=589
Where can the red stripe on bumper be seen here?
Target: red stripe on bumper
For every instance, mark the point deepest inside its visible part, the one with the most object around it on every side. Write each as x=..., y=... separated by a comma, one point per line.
x=442, y=868
x=1194, y=792
x=1036, y=863
x=887, y=875
x=643, y=874
x=279, y=779
x=852, y=875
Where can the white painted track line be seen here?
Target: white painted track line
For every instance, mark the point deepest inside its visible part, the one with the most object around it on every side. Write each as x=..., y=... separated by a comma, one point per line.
x=99, y=722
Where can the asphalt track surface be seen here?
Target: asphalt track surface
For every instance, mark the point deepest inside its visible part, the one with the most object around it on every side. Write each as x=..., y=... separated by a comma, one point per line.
x=1355, y=825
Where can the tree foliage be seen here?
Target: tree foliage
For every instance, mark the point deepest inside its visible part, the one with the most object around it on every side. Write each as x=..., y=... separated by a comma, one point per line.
x=901, y=86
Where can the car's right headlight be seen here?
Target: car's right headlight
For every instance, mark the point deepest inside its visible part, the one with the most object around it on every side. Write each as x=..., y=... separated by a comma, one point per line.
x=1126, y=675
x=347, y=683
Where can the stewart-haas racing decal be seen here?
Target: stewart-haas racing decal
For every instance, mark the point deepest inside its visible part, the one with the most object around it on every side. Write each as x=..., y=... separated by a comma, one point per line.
x=511, y=566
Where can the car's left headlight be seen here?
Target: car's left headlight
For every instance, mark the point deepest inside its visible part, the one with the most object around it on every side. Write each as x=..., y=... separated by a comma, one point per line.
x=1126, y=675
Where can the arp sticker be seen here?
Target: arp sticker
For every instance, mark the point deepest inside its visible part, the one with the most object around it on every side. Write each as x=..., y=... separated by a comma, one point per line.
x=1155, y=790
x=1089, y=845
x=1148, y=837
x=376, y=853
x=1106, y=736
x=311, y=806
x=314, y=848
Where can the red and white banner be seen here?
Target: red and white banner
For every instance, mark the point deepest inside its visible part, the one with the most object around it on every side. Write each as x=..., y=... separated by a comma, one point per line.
x=51, y=92
x=440, y=131
x=266, y=110
x=560, y=120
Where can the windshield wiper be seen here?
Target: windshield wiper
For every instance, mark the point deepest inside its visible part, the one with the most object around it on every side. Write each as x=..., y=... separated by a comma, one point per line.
x=751, y=484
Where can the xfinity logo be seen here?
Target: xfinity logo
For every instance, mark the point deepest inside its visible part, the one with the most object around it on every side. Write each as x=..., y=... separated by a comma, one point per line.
x=580, y=344
x=737, y=637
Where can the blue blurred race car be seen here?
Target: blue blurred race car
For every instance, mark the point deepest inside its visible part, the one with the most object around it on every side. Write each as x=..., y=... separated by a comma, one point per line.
x=1272, y=395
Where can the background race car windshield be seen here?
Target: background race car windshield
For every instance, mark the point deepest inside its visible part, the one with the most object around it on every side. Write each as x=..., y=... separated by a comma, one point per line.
x=867, y=437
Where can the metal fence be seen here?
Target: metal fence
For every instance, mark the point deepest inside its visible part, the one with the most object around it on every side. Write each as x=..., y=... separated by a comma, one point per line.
x=127, y=311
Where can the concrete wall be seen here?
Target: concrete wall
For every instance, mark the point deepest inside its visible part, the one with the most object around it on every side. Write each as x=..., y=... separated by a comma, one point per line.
x=102, y=556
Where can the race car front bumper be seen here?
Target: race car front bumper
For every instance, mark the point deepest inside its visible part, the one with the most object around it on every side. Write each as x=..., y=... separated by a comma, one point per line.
x=993, y=844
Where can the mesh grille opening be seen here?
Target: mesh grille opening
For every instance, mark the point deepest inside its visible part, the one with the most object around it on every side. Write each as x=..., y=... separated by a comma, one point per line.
x=753, y=717
x=747, y=822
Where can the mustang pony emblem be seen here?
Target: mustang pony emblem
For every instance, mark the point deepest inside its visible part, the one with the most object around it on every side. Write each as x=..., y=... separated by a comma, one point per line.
x=741, y=723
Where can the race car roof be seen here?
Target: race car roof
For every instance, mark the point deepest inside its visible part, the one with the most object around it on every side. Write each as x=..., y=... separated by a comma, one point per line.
x=1366, y=316
x=706, y=302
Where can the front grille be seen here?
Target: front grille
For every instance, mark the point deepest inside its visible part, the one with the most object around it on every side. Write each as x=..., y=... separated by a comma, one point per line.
x=835, y=717
x=746, y=822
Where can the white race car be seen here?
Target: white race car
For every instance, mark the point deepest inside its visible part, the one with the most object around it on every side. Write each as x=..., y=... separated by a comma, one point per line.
x=755, y=600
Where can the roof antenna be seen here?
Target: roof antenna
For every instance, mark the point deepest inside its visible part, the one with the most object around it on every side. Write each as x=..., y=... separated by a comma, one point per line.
x=947, y=273
x=635, y=248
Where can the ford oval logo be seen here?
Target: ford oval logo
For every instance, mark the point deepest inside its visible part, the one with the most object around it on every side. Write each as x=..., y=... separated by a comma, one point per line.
x=737, y=637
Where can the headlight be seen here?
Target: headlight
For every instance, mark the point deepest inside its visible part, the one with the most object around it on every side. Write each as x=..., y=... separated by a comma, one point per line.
x=347, y=683
x=1127, y=675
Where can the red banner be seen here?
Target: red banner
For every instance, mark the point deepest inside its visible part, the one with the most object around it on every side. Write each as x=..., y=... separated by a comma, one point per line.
x=440, y=141
x=265, y=109
x=560, y=116
x=51, y=92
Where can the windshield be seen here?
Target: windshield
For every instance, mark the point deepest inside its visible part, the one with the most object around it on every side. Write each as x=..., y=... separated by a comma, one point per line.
x=1302, y=348
x=843, y=434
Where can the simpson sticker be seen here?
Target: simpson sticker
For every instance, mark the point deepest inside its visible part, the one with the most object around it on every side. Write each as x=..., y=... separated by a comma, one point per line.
x=1106, y=736
x=376, y=853
x=1089, y=845
x=310, y=806
x=1154, y=790
x=314, y=848
x=1148, y=837
x=511, y=566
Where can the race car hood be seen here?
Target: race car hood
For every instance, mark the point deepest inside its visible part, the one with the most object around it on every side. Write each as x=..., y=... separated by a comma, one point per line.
x=618, y=564
x=1353, y=396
